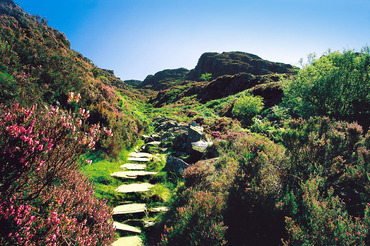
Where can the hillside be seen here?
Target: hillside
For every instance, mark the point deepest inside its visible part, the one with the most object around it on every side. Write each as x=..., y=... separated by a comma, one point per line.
x=163, y=79
x=230, y=73
x=231, y=63
x=237, y=151
x=37, y=66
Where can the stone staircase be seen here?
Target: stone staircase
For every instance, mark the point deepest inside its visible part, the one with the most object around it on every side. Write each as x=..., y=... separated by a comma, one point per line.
x=131, y=171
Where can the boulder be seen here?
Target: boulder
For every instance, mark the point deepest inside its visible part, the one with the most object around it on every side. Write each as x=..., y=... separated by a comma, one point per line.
x=197, y=140
x=175, y=165
x=201, y=146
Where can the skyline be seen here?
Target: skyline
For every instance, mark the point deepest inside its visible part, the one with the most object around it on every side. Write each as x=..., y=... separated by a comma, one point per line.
x=136, y=38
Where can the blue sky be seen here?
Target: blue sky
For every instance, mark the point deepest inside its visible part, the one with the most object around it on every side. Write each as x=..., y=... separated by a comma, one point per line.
x=136, y=38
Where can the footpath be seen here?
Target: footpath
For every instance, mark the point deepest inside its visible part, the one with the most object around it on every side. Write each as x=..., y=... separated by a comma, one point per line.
x=123, y=214
x=183, y=139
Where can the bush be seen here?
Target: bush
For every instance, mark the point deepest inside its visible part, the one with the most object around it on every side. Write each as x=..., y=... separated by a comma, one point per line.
x=327, y=183
x=197, y=220
x=44, y=200
x=246, y=107
x=336, y=85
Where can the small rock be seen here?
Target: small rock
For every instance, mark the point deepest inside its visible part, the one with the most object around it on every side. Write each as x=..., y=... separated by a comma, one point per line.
x=175, y=165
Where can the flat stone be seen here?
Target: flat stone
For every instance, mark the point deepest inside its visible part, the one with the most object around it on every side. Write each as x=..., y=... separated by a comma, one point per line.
x=138, y=159
x=128, y=241
x=132, y=174
x=124, y=227
x=154, y=143
x=130, y=188
x=158, y=209
x=133, y=166
x=130, y=208
x=140, y=155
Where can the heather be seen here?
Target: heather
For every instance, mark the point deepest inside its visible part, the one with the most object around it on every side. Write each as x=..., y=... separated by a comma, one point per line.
x=45, y=200
x=282, y=153
x=37, y=66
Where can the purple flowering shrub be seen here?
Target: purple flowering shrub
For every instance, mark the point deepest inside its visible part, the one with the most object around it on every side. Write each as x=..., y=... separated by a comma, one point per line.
x=44, y=200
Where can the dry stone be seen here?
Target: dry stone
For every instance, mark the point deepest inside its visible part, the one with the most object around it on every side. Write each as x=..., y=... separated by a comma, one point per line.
x=138, y=159
x=128, y=241
x=140, y=155
x=133, y=166
x=130, y=188
x=132, y=174
x=124, y=227
x=130, y=208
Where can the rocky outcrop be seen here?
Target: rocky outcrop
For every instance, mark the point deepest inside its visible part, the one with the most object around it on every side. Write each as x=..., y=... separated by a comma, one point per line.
x=183, y=139
x=163, y=79
x=231, y=63
x=227, y=85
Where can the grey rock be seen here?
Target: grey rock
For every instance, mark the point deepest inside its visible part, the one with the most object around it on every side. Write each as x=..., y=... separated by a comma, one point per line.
x=175, y=165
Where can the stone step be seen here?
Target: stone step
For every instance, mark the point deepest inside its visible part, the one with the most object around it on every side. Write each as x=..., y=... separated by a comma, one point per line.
x=126, y=228
x=138, y=159
x=129, y=188
x=133, y=166
x=158, y=209
x=140, y=155
x=132, y=174
x=129, y=241
x=130, y=209
x=154, y=143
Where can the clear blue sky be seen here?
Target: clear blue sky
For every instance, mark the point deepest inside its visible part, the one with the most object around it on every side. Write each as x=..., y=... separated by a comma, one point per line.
x=136, y=38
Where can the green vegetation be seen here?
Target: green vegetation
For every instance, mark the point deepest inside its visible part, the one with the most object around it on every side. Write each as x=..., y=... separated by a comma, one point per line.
x=336, y=85
x=205, y=77
x=291, y=173
x=246, y=107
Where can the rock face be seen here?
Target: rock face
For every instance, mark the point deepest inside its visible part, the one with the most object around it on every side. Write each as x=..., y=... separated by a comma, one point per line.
x=227, y=85
x=231, y=63
x=162, y=80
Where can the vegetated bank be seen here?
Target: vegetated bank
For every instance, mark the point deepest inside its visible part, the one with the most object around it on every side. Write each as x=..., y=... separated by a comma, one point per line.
x=55, y=106
x=294, y=173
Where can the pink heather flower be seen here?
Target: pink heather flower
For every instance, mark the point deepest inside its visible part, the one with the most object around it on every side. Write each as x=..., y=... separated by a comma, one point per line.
x=40, y=147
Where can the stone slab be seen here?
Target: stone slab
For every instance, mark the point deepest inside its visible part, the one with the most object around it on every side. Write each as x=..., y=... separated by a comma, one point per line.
x=130, y=188
x=128, y=241
x=138, y=159
x=130, y=208
x=133, y=166
x=158, y=209
x=124, y=227
x=154, y=143
x=140, y=155
x=132, y=174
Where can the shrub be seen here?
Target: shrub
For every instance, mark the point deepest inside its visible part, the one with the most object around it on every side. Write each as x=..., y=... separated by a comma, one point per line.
x=246, y=107
x=205, y=77
x=44, y=200
x=197, y=220
x=327, y=200
x=336, y=85
x=258, y=185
